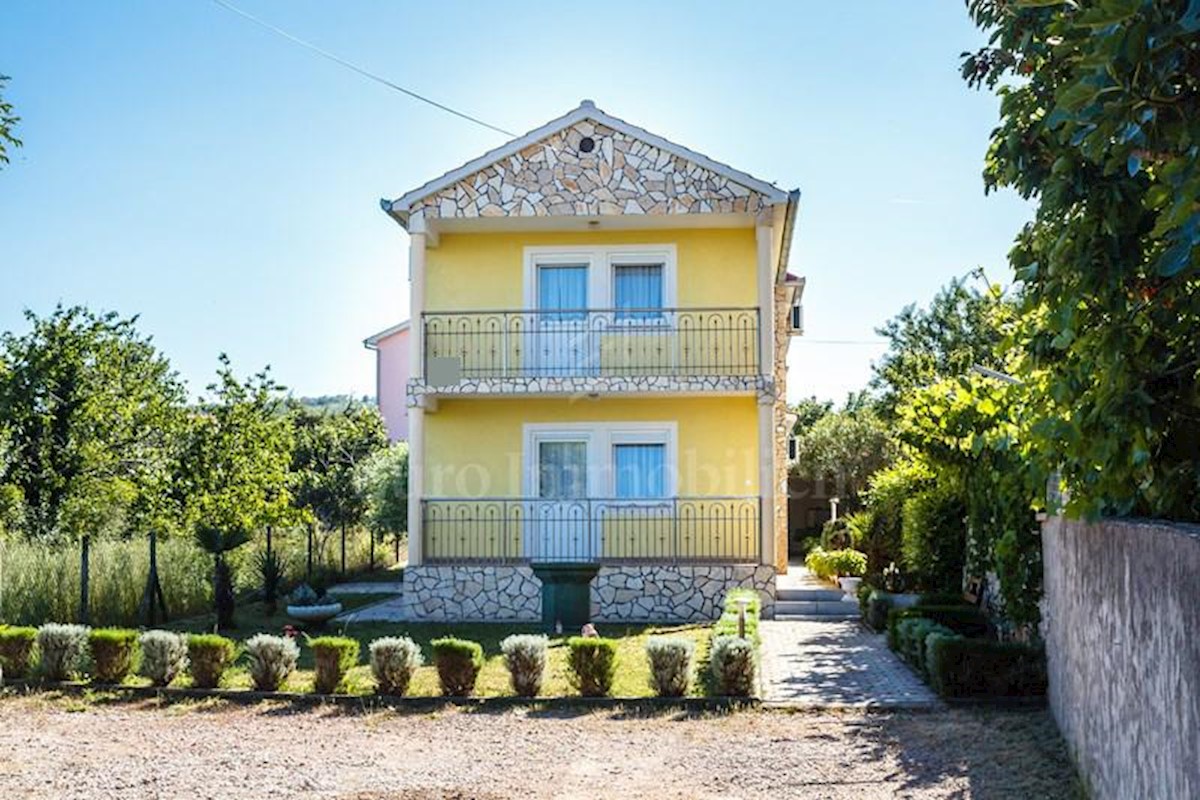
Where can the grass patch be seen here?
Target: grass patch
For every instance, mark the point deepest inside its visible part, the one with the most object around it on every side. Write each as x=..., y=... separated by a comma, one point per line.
x=633, y=671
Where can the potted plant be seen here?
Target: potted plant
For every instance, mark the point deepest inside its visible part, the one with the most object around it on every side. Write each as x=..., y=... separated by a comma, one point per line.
x=307, y=605
x=849, y=566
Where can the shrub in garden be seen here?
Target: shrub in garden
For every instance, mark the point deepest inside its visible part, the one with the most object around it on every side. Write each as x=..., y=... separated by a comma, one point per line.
x=592, y=664
x=164, y=656
x=836, y=535
x=525, y=657
x=962, y=667
x=911, y=634
x=393, y=662
x=962, y=619
x=670, y=665
x=878, y=606
x=734, y=665
x=210, y=655
x=830, y=564
x=270, y=660
x=63, y=649
x=16, y=650
x=334, y=656
x=112, y=653
x=934, y=538
x=458, y=662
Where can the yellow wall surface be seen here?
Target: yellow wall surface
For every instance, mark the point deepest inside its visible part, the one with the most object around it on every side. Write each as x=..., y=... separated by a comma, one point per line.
x=486, y=271
x=473, y=447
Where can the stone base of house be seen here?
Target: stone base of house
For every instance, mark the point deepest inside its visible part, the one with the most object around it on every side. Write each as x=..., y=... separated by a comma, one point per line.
x=667, y=593
x=484, y=593
x=672, y=593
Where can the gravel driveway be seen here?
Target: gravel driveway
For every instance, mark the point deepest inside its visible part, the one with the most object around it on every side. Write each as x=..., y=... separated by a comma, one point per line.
x=60, y=747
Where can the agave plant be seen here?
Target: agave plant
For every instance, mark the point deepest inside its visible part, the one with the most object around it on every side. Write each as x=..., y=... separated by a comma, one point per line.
x=218, y=543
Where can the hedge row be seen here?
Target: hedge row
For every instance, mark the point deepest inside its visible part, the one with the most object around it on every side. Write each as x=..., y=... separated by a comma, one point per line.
x=946, y=644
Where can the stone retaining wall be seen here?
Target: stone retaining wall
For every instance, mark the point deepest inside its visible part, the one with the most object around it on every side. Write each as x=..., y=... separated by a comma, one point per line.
x=1121, y=618
x=472, y=594
x=682, y=593
x=675, y=593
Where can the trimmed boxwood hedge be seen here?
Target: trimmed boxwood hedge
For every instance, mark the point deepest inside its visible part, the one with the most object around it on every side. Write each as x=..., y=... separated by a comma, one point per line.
x=962, y=667
x=962, y=619
x=16, y=650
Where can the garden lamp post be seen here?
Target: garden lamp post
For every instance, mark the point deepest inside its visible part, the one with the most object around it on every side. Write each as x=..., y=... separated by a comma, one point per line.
x=742, y=602
x=833, y=504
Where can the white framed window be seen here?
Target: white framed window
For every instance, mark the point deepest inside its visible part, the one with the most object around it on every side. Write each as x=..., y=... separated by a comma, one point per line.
x=635, y=279
x=624, y=460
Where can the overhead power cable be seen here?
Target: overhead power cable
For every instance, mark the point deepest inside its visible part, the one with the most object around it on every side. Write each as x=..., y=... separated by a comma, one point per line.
x=354, y=67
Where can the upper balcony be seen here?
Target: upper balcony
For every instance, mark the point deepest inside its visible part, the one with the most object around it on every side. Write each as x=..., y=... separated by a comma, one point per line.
x=590, y=350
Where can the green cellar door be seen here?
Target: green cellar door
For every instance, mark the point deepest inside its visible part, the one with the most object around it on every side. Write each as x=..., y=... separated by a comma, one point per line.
x=566, y=594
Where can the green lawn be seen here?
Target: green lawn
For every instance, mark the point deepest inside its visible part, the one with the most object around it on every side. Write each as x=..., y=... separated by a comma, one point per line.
x=632, y=672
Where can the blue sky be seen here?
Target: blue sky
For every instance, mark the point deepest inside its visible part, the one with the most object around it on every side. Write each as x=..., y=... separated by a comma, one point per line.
x=186, y=165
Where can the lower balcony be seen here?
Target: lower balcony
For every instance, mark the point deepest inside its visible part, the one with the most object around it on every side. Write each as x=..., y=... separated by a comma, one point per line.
x=678, y=530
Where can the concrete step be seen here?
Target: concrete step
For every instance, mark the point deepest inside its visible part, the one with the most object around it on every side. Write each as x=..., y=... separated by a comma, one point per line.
x=812, y=595
x=815, y=617
x=815, y=608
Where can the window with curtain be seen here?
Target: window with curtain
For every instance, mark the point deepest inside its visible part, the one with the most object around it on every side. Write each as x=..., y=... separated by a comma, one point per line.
x=638, y=291
x=562, y=470
x=563, y=288
x=640, y=470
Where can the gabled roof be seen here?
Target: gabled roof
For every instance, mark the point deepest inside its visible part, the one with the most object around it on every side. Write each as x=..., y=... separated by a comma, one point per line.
x=372, y=342
x=403, y=206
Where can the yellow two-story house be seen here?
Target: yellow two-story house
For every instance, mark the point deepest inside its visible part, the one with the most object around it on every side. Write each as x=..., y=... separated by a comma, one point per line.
x=596, y=418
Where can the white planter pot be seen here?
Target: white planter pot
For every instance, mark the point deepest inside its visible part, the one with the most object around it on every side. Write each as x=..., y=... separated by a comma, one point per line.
x=850, y=587
x=315, y=614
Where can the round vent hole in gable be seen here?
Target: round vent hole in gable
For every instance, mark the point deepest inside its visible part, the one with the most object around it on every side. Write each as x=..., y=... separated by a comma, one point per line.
x=587, y=144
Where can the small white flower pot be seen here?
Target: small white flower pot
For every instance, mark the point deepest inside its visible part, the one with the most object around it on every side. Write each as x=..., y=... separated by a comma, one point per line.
x=315, y=615
x=850, y=587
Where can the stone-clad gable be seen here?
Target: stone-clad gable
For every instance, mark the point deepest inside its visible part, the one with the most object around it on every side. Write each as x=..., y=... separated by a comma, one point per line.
x=622, y=175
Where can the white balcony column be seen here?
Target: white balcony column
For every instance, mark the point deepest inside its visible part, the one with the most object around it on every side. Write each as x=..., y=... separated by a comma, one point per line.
x=766, y=479
x=765, y=268
x=416, y=414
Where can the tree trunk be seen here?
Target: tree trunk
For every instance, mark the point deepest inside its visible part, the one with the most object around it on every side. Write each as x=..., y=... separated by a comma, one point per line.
x=223, y=594
x=308, y=569
x=153, y=600
x=84, y=545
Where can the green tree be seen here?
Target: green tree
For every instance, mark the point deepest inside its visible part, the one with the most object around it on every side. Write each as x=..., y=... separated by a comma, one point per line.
x=845, y=446
x=8, y=121
x=963, y=326
x=89, y=406
x=1100, y=124
x=329, y=448
x=383, y=480
x=808, y=411
x=232, y=476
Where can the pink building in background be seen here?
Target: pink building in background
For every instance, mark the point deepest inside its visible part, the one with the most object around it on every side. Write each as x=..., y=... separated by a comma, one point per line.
x=391, y=377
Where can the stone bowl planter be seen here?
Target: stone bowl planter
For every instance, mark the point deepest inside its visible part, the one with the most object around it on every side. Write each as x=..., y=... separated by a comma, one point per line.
x=850, y=587
x=314, y=615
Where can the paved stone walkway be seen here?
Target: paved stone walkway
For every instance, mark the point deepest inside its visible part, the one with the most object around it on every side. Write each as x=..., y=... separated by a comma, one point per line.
x=814, y=663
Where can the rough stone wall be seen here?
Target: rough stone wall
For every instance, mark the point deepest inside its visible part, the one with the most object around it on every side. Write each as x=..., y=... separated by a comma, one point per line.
x=622, y=175
x=670, y=593
x=783, y=338
x=418, y=387
x=469, y=593
x=1121, y=618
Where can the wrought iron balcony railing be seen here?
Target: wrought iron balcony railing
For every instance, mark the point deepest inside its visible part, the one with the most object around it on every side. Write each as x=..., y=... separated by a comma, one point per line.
x=627, y=342
x=591, y=530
